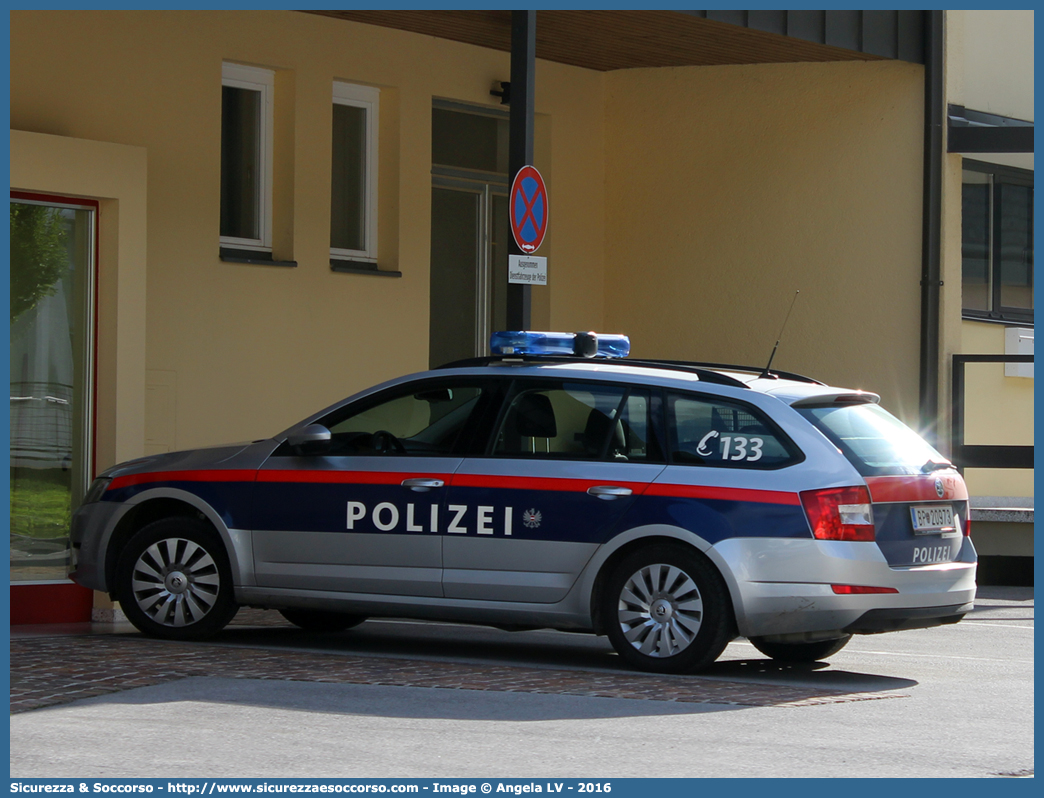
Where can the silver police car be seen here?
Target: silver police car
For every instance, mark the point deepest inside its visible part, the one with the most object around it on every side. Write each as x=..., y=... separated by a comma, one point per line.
x=670, y=506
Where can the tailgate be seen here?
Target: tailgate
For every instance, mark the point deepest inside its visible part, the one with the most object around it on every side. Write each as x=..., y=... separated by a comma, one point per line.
x=919, y=520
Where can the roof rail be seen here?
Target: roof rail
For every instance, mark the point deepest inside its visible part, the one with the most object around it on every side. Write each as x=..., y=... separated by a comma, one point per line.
x=699, y=369
x=786, y=375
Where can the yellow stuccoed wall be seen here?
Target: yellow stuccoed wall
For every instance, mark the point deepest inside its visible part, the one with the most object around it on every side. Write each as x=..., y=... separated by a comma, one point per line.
x=728, y=188
x=991, y=53
x=998, y=411
x=997, y=78
x=687, y=205
x=116, y=176
x=239, y=351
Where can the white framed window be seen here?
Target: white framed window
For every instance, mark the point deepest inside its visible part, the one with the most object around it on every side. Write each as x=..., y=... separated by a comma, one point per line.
x=246, y=157
x=353, y=200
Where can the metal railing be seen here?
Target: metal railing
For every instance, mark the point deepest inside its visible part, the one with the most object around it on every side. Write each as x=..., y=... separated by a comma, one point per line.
x=982, y=456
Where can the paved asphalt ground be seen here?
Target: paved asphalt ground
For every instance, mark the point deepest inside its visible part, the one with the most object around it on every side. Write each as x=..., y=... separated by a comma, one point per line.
x=403, y=699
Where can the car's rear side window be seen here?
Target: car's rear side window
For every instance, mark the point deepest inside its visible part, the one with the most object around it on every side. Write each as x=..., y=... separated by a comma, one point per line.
x=578, y=421
x=708, y=431
x=873, y=440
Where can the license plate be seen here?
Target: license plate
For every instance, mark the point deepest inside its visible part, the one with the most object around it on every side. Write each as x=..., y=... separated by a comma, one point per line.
x=932, y=519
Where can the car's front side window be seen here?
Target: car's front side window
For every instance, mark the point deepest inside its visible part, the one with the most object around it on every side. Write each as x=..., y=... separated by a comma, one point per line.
x=421, y=419
x=708, y=431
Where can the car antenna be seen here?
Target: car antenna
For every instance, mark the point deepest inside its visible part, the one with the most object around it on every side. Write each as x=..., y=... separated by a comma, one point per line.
x=765, y=373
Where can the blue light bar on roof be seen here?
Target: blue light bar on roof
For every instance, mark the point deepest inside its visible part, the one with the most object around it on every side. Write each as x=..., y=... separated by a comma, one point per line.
x=582, y=344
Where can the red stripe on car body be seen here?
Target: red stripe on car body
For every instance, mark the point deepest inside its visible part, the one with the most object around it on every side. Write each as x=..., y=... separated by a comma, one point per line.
x=917, y=488
x=563, y=484
x=540, y=483
x=724, y=494
x=342, y=477
x=227, y=475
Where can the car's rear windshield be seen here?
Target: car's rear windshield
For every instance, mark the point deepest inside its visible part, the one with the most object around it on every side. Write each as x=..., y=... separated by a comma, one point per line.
x=873, y=440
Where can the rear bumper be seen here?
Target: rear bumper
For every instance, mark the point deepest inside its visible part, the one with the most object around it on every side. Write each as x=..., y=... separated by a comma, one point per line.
x=782, y=587
x=886, y=620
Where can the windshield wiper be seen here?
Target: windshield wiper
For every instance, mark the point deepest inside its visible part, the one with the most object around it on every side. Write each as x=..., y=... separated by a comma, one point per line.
x=935, y=465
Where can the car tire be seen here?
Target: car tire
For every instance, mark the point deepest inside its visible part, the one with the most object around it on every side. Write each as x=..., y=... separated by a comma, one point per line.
x=667, y=610
x=800, y=652
x=173, y=580
x=322, y=620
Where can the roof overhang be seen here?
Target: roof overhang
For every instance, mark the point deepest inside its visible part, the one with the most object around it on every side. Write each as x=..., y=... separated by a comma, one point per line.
x=608, y=40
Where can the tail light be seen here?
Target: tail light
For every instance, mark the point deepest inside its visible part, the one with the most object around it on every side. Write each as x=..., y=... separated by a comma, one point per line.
x=839, y=513
x=967, y=526
x=858, y=590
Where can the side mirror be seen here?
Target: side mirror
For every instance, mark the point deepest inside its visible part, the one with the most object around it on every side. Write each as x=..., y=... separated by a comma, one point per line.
x=313, y=439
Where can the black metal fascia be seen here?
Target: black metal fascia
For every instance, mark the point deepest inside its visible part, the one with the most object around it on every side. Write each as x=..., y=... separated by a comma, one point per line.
x=931, y=247
x=990, y=139
x=889, y=34
x=972, y=131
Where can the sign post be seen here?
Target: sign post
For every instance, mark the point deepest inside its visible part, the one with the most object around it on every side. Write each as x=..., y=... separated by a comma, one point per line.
x=520, y=140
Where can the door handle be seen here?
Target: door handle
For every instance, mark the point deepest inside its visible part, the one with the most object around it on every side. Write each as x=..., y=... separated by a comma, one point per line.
x=609, y=492
x=421, y=484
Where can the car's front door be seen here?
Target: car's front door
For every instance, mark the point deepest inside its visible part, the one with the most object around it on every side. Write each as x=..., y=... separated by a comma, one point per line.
x=365, y=513
x=566, y=460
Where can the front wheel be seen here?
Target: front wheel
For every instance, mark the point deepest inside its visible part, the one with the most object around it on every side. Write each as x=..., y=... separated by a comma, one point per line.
x=800, y=652
x=173, y=580
x=667, y=610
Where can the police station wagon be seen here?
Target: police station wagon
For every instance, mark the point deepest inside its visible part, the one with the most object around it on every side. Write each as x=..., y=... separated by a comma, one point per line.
x=670, y=506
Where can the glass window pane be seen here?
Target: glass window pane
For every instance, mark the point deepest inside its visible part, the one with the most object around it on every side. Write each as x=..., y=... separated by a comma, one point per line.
x=975, y=245
x=455, y=256
x=571, y=420
x=713, y=433
x=1015, y=244
x=424, y=421
x=348, y=201
x=872, y=439
x=469, y=141
x=51, y=254
x=500, y=236
x=634, y=440
x=240, y=162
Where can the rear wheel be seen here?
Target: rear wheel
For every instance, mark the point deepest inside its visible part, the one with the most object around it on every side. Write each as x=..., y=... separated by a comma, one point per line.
x=667, y=610
x=322, y=620
x=800, y=652
x=173, y=580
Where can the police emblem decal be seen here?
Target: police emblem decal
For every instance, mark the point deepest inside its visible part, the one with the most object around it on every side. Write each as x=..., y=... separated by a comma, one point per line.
x=531, y=519
x=939, y=489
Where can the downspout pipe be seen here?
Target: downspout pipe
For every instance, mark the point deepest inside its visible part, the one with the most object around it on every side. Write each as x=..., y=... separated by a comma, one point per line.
x=931, y=248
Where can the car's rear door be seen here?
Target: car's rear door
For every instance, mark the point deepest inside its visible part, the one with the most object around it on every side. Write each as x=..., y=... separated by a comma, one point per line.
x=564, y=462
x=727, y=475
x=366, y=514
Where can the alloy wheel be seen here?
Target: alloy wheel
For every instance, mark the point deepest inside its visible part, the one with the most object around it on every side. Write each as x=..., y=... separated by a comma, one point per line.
x=660, y=610
x=175, y=582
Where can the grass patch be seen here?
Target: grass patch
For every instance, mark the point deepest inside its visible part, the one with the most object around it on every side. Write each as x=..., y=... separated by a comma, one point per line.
x=41, y=504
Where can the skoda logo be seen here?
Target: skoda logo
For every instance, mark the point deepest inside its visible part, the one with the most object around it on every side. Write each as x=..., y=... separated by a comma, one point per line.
x=939, y=489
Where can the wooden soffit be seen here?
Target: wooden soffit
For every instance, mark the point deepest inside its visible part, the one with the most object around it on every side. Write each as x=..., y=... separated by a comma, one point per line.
x=607, y=40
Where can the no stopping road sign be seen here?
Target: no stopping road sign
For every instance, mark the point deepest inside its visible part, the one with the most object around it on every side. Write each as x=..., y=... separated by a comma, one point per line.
x=528, y=209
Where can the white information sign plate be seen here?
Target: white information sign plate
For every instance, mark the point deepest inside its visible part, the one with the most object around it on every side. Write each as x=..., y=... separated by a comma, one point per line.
x=527, y=270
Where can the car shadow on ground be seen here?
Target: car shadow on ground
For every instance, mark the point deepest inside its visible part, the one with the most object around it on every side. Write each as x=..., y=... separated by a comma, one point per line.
x=193, y=694
x=540, y=649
